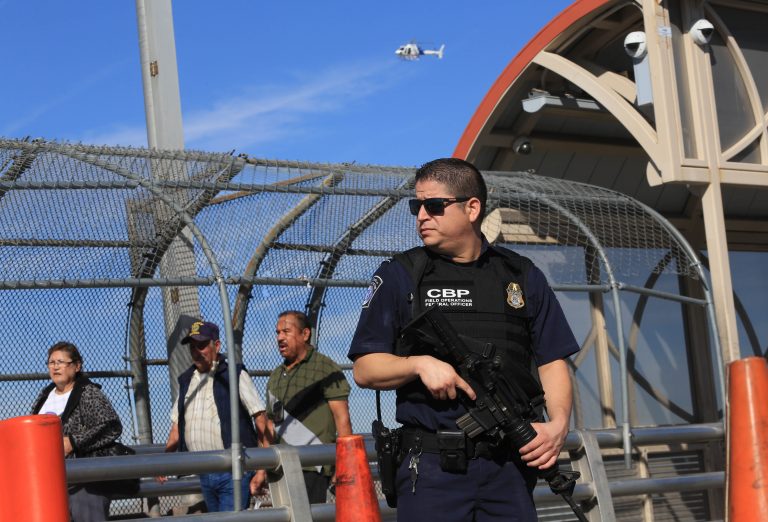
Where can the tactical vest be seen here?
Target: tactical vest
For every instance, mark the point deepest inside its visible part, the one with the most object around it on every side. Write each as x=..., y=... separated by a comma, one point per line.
x=497, y=312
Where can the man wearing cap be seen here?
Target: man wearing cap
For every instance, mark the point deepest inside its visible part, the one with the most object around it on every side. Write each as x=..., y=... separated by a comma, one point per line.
x=201, y=421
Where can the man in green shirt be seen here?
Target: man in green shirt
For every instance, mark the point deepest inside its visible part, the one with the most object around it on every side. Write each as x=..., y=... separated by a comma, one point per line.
x=306, y=397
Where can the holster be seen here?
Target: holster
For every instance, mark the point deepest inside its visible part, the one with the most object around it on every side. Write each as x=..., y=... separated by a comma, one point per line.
x=387, y=443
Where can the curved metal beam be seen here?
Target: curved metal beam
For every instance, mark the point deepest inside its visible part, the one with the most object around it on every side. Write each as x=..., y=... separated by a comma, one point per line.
x=632, y=120
x=697, y=266
x=637, y=317
x=18, y=166
x=331, y=259
x=753, y=93
x=244, y=292
x=595, y=242
x=188, y=221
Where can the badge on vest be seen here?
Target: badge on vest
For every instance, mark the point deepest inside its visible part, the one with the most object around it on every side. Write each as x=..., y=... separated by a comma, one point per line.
x=515, y=296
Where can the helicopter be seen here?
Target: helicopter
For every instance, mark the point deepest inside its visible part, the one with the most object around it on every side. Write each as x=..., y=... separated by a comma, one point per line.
x=411, y=51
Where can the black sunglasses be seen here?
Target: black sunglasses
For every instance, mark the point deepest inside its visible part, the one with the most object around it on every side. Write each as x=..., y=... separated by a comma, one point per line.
x=433, y=206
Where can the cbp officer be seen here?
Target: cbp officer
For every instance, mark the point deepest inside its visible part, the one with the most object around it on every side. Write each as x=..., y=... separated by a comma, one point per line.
x=491, y=295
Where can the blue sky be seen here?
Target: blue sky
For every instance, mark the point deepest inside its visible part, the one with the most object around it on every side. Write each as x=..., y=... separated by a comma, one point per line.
x=300, y=80
x=294, y=80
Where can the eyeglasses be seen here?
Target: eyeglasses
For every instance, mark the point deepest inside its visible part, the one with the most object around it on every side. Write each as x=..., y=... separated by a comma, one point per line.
x=56, y=364
x=433, y=206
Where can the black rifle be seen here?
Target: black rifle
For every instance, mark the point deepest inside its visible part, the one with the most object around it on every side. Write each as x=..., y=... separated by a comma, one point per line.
x=504, y=407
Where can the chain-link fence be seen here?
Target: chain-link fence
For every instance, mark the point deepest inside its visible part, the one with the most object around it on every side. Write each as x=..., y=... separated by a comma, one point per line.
x=117, y=250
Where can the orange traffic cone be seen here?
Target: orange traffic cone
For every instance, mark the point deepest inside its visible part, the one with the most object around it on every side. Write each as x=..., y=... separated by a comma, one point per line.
x=747, y=476
x=33, y=483
x=355, y=497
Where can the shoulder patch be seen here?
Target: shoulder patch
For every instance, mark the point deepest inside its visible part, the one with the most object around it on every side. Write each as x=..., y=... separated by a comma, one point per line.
x=376, y=283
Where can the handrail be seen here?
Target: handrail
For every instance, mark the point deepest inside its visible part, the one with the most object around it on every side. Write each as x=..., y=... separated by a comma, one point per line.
x=150, y=461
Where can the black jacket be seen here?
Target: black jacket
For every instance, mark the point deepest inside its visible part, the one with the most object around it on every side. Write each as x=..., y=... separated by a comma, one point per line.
x=89, y=420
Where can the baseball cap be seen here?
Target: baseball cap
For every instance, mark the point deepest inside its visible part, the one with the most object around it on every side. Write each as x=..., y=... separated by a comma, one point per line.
x=202, y=331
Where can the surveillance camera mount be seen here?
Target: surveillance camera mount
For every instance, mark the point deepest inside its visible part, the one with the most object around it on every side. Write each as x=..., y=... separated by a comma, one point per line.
x=522, y=145
x=635, y=45
x=701, y=31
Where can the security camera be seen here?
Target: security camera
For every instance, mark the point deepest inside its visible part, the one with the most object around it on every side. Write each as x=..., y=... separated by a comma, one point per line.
x=522, y=145
x=701, y=31
x=634, y=44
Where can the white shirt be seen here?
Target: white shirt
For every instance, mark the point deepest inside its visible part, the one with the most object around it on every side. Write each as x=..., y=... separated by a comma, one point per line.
x=55, y=403
x=202, y=427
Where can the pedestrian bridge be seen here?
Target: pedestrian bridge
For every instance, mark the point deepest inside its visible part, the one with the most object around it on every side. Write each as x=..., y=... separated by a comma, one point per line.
x=119, y=249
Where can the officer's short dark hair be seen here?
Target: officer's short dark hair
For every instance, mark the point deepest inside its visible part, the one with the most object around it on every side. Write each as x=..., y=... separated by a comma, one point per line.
x=461, y=177
x=301, y=318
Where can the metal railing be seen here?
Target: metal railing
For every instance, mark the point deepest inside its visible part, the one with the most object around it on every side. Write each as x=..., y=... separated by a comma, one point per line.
x=290, y=501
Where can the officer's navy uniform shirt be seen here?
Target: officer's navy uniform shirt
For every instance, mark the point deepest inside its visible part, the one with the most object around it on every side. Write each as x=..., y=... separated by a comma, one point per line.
x=386, y=310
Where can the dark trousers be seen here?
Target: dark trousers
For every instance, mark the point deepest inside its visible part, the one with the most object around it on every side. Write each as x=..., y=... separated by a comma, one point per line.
x=85, y=506
x=317, y=486
x=488, y=491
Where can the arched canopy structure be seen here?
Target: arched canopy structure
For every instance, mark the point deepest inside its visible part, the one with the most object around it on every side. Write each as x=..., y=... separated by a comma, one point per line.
x=680, y=127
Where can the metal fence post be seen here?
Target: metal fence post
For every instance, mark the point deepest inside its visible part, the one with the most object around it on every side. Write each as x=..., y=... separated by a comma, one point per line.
x=589, y=462
x=286, y=484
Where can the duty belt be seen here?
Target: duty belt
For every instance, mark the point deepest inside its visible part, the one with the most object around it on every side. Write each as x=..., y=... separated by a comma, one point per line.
x=451, y=441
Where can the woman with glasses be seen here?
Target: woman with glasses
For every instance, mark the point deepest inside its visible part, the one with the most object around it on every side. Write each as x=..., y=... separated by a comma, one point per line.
x=90, y=424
